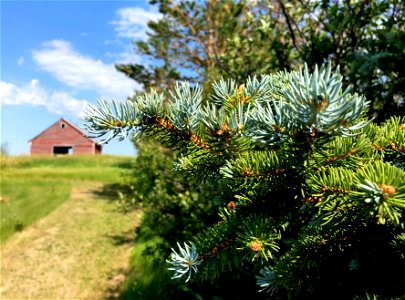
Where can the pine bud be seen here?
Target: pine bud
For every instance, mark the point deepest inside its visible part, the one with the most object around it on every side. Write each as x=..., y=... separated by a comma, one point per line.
x=388, y=190
x=255, y=246
x=231, y=205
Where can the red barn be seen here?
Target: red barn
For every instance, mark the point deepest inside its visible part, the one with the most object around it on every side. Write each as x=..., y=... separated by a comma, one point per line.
x=63, y=137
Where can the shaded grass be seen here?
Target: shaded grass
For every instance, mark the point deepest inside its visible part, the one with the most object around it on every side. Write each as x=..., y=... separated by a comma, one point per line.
x=149, y=278
x=32, y=187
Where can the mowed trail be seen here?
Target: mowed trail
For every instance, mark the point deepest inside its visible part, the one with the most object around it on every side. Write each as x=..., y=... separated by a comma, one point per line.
x=79, y=251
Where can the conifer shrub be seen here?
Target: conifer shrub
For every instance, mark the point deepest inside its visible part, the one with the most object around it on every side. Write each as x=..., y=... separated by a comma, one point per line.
x=174, y=208
x=316, y=199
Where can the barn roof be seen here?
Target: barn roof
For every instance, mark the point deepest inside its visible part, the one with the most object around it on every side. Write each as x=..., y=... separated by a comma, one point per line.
x=71, y=124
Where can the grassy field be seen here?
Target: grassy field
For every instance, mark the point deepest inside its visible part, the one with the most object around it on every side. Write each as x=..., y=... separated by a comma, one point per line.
x=62, y=234
x=32, y=187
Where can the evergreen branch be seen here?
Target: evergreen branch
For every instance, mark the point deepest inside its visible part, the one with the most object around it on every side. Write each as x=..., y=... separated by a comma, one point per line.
x=348, y=152
x=310, y=104
x=328, y=192
x=178, y=133
x=146, y=112
x=331, y=181
x=342, y=155
x=185, y=261
x=390, y=136
x=222, y=90
x=198, y=162
x=258, y=238
x=266, y=281
x=184, y=106
x=259, y=164
x=270, y=124
x=117, y=119
x=382, y=186
x=239, y=234
x=319, y=105
x=215, y=250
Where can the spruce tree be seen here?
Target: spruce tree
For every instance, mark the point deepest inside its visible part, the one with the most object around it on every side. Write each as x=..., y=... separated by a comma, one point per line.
x=314, y=192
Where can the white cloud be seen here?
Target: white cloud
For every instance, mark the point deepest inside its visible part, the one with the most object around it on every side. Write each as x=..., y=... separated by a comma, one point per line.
x=133, y=22
x=127, y=56
x=20, y=61
x=60, y=103
x=81, y=72
x=29, y=94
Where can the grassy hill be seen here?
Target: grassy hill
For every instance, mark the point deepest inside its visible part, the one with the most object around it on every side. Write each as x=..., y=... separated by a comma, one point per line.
x=62, y=235
x=32, y=187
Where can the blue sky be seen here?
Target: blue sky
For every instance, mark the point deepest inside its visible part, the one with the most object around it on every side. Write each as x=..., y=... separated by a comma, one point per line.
x=57, y=57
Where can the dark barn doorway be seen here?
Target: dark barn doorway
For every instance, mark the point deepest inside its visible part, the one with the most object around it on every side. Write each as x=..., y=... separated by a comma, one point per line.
x=64, y=150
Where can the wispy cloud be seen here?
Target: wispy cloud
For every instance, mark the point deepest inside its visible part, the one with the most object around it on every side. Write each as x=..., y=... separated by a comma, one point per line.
x=132, y=22
x=70, y=67
x=20, y=61
x=34, y=94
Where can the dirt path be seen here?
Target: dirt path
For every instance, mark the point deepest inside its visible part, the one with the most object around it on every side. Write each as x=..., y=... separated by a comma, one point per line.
x=80, y=251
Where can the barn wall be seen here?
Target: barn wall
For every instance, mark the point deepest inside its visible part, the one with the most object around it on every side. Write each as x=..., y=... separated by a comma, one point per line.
x=56, y=135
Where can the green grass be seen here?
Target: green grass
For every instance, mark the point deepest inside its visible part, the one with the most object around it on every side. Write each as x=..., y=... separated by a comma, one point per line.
x=149, y=277
x=32, y=187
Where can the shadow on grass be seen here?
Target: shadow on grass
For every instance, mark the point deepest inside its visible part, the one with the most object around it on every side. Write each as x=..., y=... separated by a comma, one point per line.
x=112, y=191
x=126, y=237
x=127, y=165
